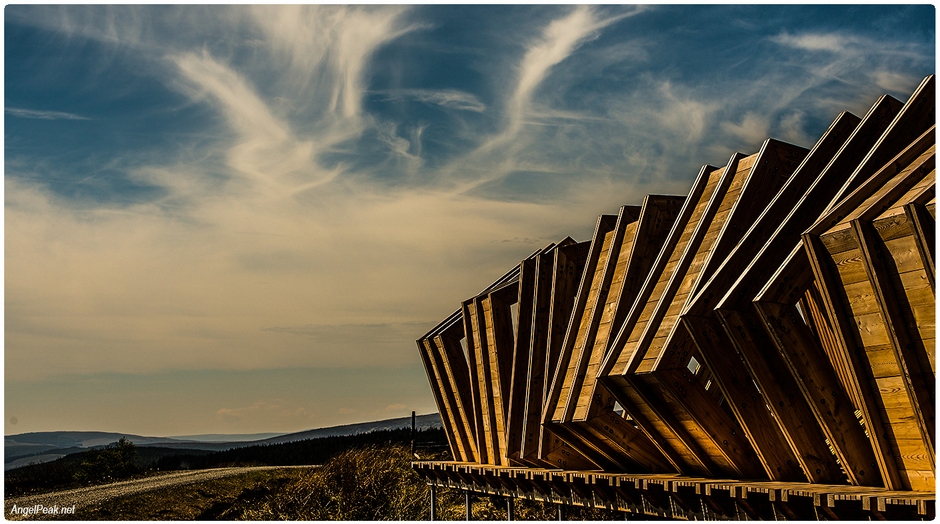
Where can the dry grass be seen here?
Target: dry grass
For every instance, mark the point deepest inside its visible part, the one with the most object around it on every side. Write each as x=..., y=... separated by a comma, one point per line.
x=219, y=499
x=373, y=483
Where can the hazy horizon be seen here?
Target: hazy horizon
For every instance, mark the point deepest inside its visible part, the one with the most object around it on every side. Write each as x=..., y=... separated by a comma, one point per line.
x=238, y=219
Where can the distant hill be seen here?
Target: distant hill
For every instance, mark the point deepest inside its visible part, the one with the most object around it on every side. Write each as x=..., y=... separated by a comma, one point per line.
x=46, y=446
x=430, y=421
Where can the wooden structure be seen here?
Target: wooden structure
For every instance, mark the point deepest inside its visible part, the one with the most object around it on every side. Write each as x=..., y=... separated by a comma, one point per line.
x=772, y=332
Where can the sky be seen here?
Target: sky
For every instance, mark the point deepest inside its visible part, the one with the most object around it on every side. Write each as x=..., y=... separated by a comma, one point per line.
x=238, y=219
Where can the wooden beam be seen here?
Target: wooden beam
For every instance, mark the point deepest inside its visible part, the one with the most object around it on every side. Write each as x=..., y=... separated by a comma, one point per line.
x=862, y=381
x=815, y=378
x=521, y=354
x=918, y=392
x=925, y=234
x=435, y=379
x=562, y=375
x=616, y=361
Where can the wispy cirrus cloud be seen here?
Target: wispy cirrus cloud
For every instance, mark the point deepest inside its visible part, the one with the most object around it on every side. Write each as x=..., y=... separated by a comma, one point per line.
x=450, y=98
x=43, y=114
x=815, y=41
x=299, y=220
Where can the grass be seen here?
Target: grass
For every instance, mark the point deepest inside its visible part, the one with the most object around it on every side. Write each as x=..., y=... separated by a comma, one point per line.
x=220, y=499
x=369, y=483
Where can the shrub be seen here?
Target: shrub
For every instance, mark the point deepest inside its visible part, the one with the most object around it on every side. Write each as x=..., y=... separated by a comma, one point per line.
x=372, y=483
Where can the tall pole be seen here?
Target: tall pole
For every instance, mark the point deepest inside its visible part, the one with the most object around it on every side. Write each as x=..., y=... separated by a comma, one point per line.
x=412, y=433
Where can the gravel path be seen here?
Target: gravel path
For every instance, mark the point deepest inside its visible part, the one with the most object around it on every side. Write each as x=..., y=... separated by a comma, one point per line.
x=81, y=497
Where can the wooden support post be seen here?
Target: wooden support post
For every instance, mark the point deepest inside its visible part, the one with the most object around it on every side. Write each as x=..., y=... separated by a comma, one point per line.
x=510, y=509
x=433, y=504
x=467, y=499
x=561, y=516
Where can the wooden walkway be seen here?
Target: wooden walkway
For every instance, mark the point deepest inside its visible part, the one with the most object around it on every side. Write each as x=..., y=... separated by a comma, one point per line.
x=775, y=324
x=686, y=498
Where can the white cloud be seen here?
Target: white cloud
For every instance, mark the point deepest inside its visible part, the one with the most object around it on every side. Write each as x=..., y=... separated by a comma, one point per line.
x=451, y=98
x=43, y=114
x=327, y=48
x=814, y=41
x=753, y=128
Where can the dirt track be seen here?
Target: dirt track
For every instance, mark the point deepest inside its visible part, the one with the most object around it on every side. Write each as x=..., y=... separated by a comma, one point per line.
x=81, y=497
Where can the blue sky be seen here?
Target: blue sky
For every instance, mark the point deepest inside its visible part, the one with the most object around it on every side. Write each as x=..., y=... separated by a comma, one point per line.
x=239, y=219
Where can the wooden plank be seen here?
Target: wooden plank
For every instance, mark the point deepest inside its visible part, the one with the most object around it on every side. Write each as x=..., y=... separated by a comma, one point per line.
x=615, y=363
x=925, y=231
x=521, y=353
x=589, y=287
x=815, y=378
x=566, y=278
x=538, y=347
x=684, y=255
x=583, y=339
x=773, y=447
x=899, y=181
x=871, y=178
x=911, y=125
x=919, y=391
x=456, y=372
x=484, y=378
x=769, y=226
x=468, y=312
x=774, y=165
x=435, y=379
x=823, y=189
x=496, y=308
x=846, y=342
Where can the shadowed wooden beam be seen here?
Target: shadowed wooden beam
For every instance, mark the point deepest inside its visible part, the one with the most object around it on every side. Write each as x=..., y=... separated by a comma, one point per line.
x=590, y=409
x=449, y=387
x=718, y=431
x=916, y=117
x=566, y=274
x=925, y=235
x=667, y=432
x=538, y=347
x=745, y=201
x=529, y=348
x=791, y=414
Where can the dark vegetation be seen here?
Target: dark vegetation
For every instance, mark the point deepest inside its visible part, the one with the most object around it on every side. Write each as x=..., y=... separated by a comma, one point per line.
x=302, y=452
x=378, y=483
x=362, y=477
x=374, y=482
x=123, y=460
x=116, y=461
